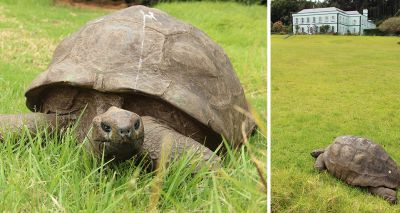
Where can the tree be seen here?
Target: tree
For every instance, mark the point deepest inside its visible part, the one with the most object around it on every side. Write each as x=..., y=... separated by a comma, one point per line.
x=297, y=27
x=397, y=13
x=377, y=9
x=281, y=10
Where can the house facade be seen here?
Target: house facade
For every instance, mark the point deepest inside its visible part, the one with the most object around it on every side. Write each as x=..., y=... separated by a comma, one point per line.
x=331, y=19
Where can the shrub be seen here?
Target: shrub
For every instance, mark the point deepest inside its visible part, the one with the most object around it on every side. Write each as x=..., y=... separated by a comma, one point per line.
x=391, y=26
x=289, y=29
x=373, y=32
x=277, y=27
x=324, y=29
x=297, y=29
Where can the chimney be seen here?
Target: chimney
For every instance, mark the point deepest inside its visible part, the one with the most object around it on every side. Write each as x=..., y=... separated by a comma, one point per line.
x=365, y=12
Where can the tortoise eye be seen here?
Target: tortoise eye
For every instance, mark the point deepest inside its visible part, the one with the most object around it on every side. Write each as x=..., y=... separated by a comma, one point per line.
x=137, y=124
x=106, y=127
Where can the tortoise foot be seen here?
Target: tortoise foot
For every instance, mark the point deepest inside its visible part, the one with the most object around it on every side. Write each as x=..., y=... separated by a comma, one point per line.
x=388, y=194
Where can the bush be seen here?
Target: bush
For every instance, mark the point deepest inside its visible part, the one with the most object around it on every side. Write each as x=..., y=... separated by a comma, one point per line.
x=373, y=32
x=296, y=29
x=289, y=29
x=324, y=29
x=391, y=26
x=277, y=27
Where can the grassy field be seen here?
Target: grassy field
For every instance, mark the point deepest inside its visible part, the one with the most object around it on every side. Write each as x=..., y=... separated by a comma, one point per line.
x=323, y=87
x=60, y=176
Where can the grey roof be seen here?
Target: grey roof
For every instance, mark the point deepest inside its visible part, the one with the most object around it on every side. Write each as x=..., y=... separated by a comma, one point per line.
x=353, y=12
x=327, y=9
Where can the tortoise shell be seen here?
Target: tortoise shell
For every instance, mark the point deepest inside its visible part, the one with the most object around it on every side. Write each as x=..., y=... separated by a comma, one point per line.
x=140, y=50
x=360, y=162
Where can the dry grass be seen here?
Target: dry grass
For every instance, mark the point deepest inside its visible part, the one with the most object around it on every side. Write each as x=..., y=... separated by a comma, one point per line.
x=20, y=46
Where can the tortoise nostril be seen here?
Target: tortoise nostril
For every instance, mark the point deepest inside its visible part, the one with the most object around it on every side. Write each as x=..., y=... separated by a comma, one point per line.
x=124, y=132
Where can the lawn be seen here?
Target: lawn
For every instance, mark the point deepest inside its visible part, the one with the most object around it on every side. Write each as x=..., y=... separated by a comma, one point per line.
x=323, y=87
x=61, y=176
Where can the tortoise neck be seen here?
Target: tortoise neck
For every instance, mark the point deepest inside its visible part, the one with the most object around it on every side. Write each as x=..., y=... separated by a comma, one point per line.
x=103, y=101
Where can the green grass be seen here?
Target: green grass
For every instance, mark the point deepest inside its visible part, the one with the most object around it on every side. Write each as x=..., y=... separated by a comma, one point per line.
x=323, y=87
x=61, y=176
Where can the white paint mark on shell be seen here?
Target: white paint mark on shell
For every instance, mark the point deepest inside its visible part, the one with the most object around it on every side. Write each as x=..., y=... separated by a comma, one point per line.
x=389, y=172
x=149, y=15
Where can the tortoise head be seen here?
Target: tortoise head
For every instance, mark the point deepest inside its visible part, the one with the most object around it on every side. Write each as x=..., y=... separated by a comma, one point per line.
x=118, y=133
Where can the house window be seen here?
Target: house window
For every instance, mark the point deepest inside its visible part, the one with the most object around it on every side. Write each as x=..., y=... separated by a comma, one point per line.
x=326, y=18
x=302, y=20
x=333, y=28
x=320, y=19
x=355, y=22
x=313, y=19
x=302, y=29
x=333, y=18
x=308, y=20
x=296, y=20
x=354, y=30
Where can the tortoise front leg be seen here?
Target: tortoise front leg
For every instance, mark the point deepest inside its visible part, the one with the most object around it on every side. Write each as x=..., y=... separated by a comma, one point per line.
x=156, y=133
x=14, y=124
x=320, y=163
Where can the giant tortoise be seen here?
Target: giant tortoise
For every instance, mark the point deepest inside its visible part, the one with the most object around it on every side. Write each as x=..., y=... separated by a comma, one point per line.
x=360, y=162
x=133, y=78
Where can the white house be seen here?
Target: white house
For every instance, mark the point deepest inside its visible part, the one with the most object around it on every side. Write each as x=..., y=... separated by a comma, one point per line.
x=310, y=21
